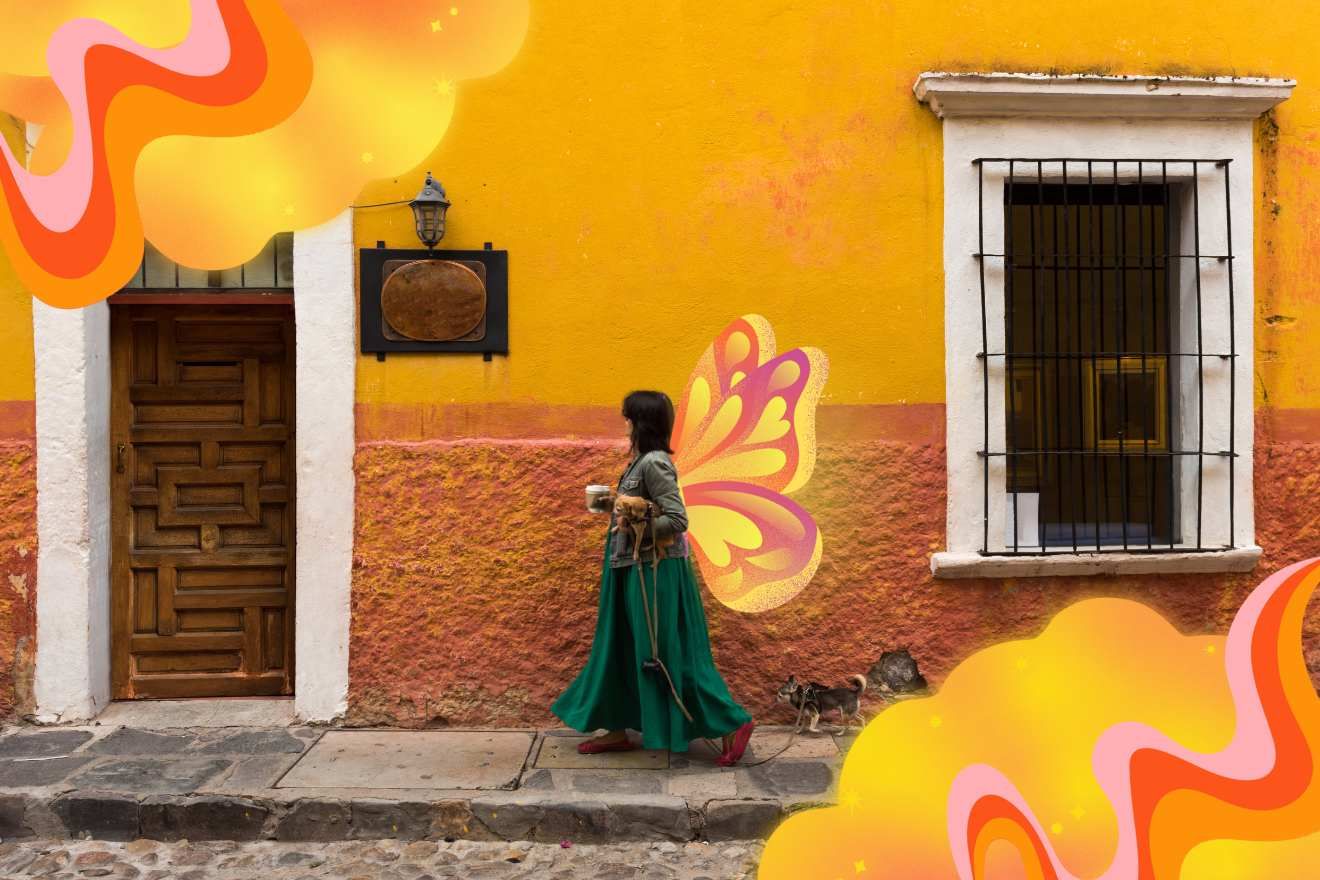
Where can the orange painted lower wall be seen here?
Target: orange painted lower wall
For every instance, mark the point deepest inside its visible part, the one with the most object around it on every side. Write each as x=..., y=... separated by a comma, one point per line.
x=476, y=567
x=18, y=555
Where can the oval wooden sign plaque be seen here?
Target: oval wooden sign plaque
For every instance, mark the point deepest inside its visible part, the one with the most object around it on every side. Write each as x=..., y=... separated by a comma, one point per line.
x=433, y=300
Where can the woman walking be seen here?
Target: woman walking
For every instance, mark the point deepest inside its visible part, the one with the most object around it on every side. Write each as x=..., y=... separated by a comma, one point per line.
x=619, y=689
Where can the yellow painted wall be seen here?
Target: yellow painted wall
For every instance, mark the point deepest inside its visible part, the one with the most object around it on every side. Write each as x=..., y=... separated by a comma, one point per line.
x=17, y=380
x=655, y=169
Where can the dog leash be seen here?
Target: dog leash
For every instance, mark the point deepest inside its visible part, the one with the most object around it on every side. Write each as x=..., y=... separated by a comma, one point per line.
x=653, y=629
x=797, y=728
x=653, y=622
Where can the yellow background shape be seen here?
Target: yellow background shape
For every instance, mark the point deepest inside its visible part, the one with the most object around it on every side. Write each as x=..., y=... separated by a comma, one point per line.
x=1032, y=709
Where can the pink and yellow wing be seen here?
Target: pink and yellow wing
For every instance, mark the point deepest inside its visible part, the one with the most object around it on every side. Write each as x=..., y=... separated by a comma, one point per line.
x=745, y=437
x=748, y=414
x=756, y=548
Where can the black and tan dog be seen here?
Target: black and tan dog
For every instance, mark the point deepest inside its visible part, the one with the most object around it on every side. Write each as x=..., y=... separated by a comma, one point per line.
x=816, y=699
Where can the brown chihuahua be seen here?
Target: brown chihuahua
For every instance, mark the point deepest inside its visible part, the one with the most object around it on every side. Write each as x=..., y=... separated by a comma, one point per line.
x=636, y=514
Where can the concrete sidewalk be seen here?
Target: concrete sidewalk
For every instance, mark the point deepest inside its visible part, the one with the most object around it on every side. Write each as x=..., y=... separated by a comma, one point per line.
x=296, y=783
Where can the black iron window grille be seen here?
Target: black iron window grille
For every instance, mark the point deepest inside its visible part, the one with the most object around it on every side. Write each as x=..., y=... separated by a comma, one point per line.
x=1104, y=358
x=271, y=269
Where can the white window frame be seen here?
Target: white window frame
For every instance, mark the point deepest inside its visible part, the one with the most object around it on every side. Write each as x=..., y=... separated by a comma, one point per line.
x=1037, y=116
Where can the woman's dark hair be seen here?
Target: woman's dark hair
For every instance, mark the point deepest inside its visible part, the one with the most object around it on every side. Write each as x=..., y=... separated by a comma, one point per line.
x=652, y=416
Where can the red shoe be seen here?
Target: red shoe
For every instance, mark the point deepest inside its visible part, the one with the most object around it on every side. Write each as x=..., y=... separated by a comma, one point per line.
x=741, y=737
x=593, y=747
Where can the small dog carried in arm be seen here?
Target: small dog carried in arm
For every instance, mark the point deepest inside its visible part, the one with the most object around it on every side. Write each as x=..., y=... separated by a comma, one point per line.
x=637, y=514
x=814, y=700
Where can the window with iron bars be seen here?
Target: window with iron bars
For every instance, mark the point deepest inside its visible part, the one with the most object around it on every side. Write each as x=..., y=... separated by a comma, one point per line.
x=1105, y=323
x=271, y=269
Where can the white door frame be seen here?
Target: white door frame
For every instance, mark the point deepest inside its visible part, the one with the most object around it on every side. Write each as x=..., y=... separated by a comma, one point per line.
x=72, y=349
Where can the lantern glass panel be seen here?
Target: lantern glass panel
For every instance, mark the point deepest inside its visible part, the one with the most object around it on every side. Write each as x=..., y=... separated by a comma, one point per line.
x=430, y=223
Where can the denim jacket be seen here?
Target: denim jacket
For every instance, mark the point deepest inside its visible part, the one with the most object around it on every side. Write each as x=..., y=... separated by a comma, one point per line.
x=654, y=478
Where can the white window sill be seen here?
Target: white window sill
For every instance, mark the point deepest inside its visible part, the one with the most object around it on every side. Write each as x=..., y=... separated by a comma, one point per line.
x=973, y=565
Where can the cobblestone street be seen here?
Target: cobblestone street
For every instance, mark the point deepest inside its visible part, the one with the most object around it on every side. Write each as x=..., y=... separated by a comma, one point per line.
x=375, y=860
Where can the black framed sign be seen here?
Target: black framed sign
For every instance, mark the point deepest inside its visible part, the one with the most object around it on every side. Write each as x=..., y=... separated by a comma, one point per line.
x=434, y=301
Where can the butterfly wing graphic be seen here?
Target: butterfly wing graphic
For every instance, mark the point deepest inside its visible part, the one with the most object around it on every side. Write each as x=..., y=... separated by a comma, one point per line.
x=745, y=438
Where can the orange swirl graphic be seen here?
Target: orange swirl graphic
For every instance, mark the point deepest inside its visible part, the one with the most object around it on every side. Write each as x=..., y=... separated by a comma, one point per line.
x=1169, y=799
x=1109, y=746
x=207, y=126
x=126, y=101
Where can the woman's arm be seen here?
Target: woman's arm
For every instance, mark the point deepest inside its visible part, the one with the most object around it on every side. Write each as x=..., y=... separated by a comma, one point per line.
x=661, y=481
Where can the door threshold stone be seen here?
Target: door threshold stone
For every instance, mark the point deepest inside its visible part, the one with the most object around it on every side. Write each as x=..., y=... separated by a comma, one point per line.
x=218, y=712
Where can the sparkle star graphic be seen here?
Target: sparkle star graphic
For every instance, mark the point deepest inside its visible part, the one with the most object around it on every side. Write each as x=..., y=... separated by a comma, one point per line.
x=851, y=800
x=1078, y=813
x=436, y=26
x=444, y=87
x=859, y=866
x=368, y=158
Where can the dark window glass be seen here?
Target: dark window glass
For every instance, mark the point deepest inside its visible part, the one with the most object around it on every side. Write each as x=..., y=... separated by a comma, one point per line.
x=1089, y=412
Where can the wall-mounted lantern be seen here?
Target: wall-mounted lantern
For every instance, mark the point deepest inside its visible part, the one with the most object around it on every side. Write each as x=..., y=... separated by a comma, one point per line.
x=433, y=301
x=429, y=212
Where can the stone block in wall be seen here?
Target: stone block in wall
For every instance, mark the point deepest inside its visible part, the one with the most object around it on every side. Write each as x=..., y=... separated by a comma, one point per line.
x=314, y=820
x=203, y=818
x=101, y=816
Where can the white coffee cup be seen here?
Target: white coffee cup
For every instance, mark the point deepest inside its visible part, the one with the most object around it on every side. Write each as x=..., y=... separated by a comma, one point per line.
x=598, y=498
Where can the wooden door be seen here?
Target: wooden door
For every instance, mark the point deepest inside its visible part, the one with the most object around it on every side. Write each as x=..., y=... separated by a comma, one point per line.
x=202, y=500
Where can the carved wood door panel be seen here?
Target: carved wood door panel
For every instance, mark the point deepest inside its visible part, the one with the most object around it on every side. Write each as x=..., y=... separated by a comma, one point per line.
x=202, y=500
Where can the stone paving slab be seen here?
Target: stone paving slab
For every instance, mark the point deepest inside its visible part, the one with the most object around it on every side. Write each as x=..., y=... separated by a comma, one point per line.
x=39, y=772
x=560, y=753
x=476, y=760
x=130, y=741
x=43, y=744
x=609, y=781
x=789, y=781
x=703, y=784
x=251, y=773
x=253, y=742
x=149, y=775
x=765, y=743
x=770, y=743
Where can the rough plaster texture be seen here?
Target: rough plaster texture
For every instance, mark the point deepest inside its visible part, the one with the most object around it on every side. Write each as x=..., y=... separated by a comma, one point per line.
x=18, y=573
x=73, y=529
x=324, y=318
x=475, y=574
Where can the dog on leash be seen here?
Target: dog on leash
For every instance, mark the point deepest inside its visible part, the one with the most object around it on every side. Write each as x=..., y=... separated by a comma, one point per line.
x=636, y=513
x=816, y=700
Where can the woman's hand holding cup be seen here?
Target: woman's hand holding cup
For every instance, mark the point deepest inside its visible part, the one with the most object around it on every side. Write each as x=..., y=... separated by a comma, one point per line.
x=600, y=499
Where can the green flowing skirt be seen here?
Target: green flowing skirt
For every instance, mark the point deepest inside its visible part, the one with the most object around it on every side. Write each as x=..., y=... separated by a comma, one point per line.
x=614, y=693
